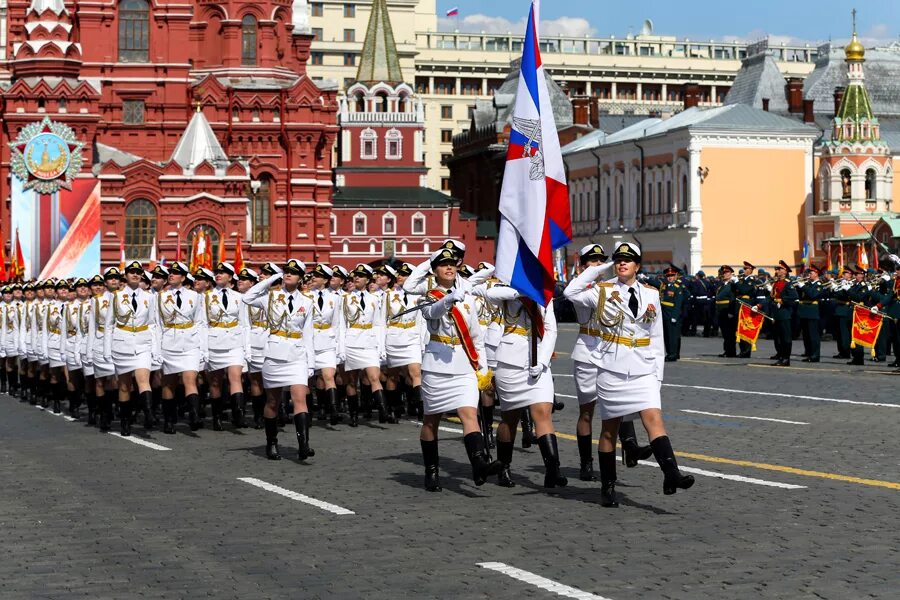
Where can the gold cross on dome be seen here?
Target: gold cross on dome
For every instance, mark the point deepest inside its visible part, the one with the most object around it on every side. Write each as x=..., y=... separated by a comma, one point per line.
x=853, y=12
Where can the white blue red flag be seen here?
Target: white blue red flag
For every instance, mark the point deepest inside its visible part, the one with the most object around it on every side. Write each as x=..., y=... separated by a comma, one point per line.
x=453, y=12
x=534, y=201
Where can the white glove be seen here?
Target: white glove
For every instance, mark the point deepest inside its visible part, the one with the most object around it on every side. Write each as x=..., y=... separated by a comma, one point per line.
x=874, y=310
x=278, y=270
x=800, y=284
x=310, y=373
x=894, y=258
x=340, y=358
x=457, y=295
x=535, y=371
x=885, y=277
x=673, y=320
x=755, y=309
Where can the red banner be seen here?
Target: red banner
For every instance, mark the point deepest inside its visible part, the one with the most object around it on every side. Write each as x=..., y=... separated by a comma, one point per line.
x=866, y=327
x=749, y=325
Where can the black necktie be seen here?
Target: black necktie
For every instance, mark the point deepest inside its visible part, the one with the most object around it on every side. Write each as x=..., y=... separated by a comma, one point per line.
x=178, y=298
x=321, y=301
x=225, y=298
x=134, y=300
x=362, y=301
x=404, y=299
x=633, y=302
x=291, y=303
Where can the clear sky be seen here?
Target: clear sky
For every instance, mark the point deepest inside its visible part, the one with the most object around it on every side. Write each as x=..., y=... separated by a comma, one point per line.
x=878, y=21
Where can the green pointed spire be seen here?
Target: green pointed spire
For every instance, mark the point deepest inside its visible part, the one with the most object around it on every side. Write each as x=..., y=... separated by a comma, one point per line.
x=379, y=60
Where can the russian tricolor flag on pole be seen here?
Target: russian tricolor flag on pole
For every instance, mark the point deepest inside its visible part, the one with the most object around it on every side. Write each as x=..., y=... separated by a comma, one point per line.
x=534, y=201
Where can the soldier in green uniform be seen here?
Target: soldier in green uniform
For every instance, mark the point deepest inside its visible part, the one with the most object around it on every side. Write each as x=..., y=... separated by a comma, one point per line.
x=745, y=290
x=810, y=292
x=880, y=295
x=784, y=297
x=726, y=311
x=892, y=309
x=859, y=293
x=673, y=296
x=843, y=312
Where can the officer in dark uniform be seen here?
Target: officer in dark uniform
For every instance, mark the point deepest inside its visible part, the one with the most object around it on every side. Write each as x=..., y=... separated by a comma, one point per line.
x=810, y=293
x=893, y=310
x=859, y=293
x=673, y=297
x=880, y=298
x=826, y=304
x=762, y=297
x=712, y=285
x=698, y=306
x=726, y=310
x=843, y=312
x=784, y=298
x=745, y=290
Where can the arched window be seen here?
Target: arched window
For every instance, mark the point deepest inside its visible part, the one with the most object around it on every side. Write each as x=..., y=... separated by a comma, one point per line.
x=845, y=184
x=360, y=101
x=333, y=224
x=248, y=41
x=870, y=184
x=134, y=31
x=368, y=144
x=389, y=224
x=260, y=206
x=381, y=102
x=393, y=142
x=140, y=229
x=359, y=223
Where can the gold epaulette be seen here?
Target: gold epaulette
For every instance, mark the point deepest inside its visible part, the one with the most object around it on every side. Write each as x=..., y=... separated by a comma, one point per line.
x=648, y=286
x=606, y=284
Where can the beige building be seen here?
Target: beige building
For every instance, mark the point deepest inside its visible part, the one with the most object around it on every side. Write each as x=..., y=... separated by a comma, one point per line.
x=633, y=75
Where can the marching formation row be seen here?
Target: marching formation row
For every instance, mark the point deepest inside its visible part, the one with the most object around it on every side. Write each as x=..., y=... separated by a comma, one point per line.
x=448, y=338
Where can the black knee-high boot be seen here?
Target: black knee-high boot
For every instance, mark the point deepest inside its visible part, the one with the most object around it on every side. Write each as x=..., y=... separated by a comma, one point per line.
x=631, y=451
x=237, y=410
x=60, y=392
x=301, y=424
x=216, y=405
x=430, y=456
x=285, y=407
x=487, y=417
x=550, y=454
x=258, y=403
x=607, y=462
x=170, y=415
x=147, y=404
x=125, y=418
x=586, y=455
x=193, y=402
x=14, y=387
x=417, y=399
x=156, y=406
x=4, y=379
x=528, y=437
x=353, y=410
x=90, y=399
x=365, y=400
x=504, y=455
x=331, y=406
x=665, y=456
x=381, y=406
x=272, y=438
x=104, y=402
x=74, y=403
x=481, y=468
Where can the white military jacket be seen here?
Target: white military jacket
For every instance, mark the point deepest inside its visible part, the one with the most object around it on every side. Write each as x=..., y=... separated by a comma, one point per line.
x=589, y=330
x=228, y=328
x=290, y=332
x=327, y=320
x=628, y=345
x=444, y=352
x=408, y=329
x=514, y=348
x=181, y=328
x=131, y=330
x=363, y=321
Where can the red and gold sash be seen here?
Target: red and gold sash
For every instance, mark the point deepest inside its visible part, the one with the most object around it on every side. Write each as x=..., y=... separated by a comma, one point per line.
x=462, y=328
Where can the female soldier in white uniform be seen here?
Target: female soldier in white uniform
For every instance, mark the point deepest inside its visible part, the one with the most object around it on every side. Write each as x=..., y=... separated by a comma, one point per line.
x=523, y=378
x=53, y=343
x=182, y=323
x=104, y=370
x=259, y=334
x=131, y=341
x=363, y=334
x=327, y=316
x=229, y=344
x=72, y=338
x=402, y=340
x=453, y=366
x=489, y=318
x=12, y=339
x=630, y=362
x=290, y=352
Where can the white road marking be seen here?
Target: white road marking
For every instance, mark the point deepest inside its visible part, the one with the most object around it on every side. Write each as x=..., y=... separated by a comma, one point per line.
x=50, y=412
x=741, y=478
x=777, y=395
x=138, y=441
x=565, y=395
x=540, y=582
x=332, y=508
x=440, y=427
x=712, y=414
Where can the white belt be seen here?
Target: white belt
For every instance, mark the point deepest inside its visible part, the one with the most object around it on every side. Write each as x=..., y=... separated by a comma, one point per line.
x=701, y=297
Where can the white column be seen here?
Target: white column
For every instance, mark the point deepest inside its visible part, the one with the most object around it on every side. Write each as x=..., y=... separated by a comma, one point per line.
x=808, y=183
x=695, y=222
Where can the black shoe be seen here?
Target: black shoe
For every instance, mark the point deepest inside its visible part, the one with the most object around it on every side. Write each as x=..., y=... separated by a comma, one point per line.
x=550, y=454
x=216, y=404
x=105, y=413
x=608, y=495
x=676, y=481
x=812, y=360
x=237, y=410
x=670, y=359
x=147, y=404
x=271, y=426
x=784, y=363
x=841, y=356
x=193, y=402
x=57, y=406
x=378, y=399
x=170, y=416
x=272, y=451
x=586, y=473
x=301, y=424
x=632, y=453
x=481, y=468
x=432, y=479
x=744, y=355
x=504, y=478
x=877, y=360
x=894, y=364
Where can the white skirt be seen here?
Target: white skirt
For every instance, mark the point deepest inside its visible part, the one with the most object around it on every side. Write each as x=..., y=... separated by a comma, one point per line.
x=130, y=362
x=444, y=392
x=360, y=358
x=585, y=382
x=326, y=359
x=400, y=356
x=619, y=395
x=284, y=373
x=490, y=353
x=101, y=367
x=221, y=359
x=88, y=370
x=179, y=362
x=73, y=361
x=517, y=390
x=256, y=361
x=57, y=359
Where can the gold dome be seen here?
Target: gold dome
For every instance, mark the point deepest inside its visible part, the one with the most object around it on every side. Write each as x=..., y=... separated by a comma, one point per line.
x=855, y=51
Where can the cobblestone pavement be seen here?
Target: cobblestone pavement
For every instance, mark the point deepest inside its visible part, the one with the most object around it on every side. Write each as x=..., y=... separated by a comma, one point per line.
x=809, y=508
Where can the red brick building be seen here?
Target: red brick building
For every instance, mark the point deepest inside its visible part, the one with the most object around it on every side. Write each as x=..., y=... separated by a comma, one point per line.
x=197, y=114
x=382, y=209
